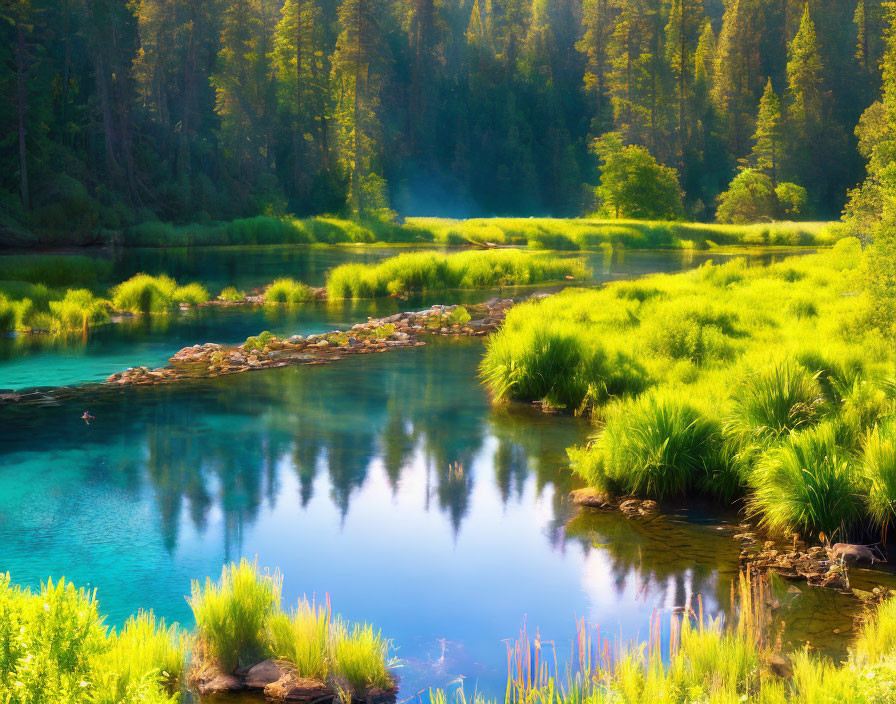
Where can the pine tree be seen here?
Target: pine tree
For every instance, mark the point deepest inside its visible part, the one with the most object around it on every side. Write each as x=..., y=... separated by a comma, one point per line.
x=868, y=19
x=359, y=73
x=804, y=74
x=682, y=34
x=769, y=136
x=596, y=19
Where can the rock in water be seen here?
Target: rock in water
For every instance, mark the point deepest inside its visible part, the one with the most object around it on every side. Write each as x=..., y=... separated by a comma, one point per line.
x=291, y=688
x=853, y=554
x=261, y=675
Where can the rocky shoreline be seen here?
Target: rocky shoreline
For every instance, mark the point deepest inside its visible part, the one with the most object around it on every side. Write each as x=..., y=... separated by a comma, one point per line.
x=266, y=351
x=825, y=566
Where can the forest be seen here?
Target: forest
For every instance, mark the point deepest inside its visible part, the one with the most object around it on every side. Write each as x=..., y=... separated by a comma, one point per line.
x=118, y=112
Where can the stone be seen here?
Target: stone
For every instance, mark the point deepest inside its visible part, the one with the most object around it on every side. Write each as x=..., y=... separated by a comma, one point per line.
x=290, y=688
x=213, y=682
x=589, y=497
x=261, y=675
x=780, y=665
x=853, y=554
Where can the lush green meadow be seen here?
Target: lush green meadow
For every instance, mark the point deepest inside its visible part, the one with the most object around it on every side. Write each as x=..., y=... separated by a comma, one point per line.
x=763, y=384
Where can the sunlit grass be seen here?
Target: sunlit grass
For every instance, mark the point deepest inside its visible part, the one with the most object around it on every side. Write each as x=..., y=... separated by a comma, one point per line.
x=288, y=292
x=231, y=613
x=431, y=271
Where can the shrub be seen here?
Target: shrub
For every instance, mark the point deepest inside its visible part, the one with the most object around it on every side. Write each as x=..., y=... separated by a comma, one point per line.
x=807, y=483
x=258, y=342
x=780, y=399
x=553, y=363
x=231, y=614
x=191, y=294
x=657, y=447
x=143, y=294
x=232, y=295
x=289, y=292
x=77, y=310
x=878, y=466
x=459, y=316
x=8, y=315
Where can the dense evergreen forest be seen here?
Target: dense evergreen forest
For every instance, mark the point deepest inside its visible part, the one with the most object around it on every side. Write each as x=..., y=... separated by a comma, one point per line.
x=117, y=111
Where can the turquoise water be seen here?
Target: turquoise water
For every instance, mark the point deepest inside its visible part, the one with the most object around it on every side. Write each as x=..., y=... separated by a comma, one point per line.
x=387, y=481
x=339, y=475
x=33, y=361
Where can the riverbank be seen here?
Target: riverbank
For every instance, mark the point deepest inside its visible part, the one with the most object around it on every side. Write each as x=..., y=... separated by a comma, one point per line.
x=762, y=385
x=579, y=234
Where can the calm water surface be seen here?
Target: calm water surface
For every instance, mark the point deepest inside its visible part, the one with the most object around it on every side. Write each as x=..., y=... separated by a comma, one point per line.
x=30, y=361
x=386, y=481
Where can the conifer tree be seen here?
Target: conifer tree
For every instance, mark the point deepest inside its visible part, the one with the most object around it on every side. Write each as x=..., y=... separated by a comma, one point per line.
x=359, y=73
x=804, y=74
x=596, y=19
x=769, y=136
x=682, y=34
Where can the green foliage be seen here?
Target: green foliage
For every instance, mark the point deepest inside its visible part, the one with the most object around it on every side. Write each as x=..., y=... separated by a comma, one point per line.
x=231, y=614
x=302, y=637
x=429, y=271
x=777, y=400
x=808, y=483
x=657, y=447
x=232, y=295
x=144, y=294
x=360, y=656
x=878, y=467
x=459, y=316
x=258, y=342
x=54, y=648
x=551, y=362
x=8, y=315
x=288, y=292
x=78, y=309
x=753, y=197
x=192, y=294
x=633, y=184
x=55, y=270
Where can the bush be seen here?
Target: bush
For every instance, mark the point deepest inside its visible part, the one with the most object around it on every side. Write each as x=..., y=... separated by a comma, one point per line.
x=8, y=315
x=552, y=363
x=657, y=448
x=259, y=342
x=808, y=484
x=77, y=310
x=289, y=292
x=232, y=295
x=231, y=614
x=777, y=400
x=191, y=294
x=143, y=294
x=54, y=647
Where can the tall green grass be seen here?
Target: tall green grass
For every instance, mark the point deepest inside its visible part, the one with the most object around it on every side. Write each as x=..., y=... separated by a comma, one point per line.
x=361, y=657
x=808, y=484
x=231, y=613
x=302, y=637
x=703, y=661
x=430, y=271
x=589, y=233
x=288, y=292
x=657, y=447
x=724, y=343
x=143, y=294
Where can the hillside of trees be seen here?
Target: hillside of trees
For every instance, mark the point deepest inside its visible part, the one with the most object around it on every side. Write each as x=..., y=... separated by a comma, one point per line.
x=117, y=111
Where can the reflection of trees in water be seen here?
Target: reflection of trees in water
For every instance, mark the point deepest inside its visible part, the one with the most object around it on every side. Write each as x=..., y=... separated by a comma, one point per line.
x=661, y=553
x=220, y=444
